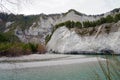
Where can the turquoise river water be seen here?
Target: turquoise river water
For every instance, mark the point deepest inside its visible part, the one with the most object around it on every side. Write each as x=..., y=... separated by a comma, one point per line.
x=82, y=71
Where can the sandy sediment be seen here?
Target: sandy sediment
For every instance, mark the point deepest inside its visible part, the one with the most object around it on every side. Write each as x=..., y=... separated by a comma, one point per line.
x=37, y=60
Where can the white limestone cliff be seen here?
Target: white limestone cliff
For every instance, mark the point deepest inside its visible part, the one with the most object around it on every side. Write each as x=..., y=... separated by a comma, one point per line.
x=46, y=22
x=64, y=40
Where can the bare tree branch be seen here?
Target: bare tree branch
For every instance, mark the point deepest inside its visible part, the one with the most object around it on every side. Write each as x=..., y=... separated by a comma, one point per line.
x=16, y=3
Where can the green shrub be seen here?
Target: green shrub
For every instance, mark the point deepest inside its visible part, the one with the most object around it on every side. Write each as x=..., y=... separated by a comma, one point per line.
x=5, y=46
x=33, y=47
x=47, y=38
x=72, y=24
x=69, y=24
x=109, y=19
x=30, y=46
x=117, y=17
x=102, y=20
x=78, y=25
x=8, y=37
x=87, y=24
x=18, y=49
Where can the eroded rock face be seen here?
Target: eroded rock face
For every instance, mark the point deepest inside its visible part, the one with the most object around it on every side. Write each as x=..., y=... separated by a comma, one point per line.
x=64, y=40
x=38, y=31
x=43, y=25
